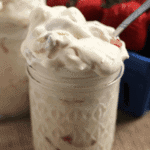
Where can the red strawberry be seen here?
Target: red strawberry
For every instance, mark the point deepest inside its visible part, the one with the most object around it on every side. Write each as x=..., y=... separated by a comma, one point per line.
x=139, y=1
x=56, y=2
x=135, y=34
x=148, y=16
x=90, y=8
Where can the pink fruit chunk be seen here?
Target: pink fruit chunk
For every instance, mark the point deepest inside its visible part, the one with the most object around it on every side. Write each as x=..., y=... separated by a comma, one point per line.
x=68, y=139
x=116, y=42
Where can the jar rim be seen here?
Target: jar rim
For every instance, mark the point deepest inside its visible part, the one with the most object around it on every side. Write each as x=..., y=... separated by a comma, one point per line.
x=75, y=86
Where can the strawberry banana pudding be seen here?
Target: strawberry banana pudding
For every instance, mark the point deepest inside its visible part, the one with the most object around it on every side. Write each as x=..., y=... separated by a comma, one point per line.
x=14, y=22
x=74, y=71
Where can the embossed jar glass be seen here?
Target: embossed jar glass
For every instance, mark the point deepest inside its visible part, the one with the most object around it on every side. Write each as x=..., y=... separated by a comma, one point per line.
x=14, y=99
x=73, y=111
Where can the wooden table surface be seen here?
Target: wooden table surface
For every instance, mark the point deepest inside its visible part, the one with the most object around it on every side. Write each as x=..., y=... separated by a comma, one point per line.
x=131, y=133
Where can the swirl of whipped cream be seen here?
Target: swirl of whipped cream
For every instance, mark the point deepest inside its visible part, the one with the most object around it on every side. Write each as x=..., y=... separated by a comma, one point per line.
x=14, y=17
x=60, y=36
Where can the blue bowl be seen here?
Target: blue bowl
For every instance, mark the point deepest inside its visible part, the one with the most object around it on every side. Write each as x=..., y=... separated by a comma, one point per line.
x=134, y=97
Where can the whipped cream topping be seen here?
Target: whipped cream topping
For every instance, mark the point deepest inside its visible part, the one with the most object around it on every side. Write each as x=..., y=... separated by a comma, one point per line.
x=61, y=37
x=14, y=17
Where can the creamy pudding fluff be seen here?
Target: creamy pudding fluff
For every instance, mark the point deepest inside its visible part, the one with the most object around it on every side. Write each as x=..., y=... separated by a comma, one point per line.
x=61, y=37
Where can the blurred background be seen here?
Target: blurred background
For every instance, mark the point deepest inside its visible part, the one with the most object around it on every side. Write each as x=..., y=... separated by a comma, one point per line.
x=133, y=117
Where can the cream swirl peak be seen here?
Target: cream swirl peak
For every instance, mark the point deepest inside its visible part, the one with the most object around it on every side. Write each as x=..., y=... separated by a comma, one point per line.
x=14, y=17
x=61, y=37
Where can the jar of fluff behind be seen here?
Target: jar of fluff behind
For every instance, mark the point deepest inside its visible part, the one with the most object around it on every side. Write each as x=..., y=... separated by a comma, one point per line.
x=14, y=24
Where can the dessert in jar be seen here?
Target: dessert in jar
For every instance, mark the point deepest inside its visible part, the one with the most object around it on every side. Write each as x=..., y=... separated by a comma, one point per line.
x=74, y=69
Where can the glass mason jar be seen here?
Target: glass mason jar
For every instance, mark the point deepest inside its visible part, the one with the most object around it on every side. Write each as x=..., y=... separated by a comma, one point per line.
x=73, y=111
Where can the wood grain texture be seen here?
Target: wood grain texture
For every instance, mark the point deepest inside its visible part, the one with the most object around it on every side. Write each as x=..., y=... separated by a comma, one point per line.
x=131, y=133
